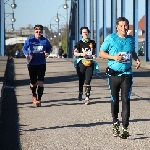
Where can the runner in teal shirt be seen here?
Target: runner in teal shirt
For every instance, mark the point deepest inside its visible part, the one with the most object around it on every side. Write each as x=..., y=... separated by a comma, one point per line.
x=119, y=49
x=113, y=45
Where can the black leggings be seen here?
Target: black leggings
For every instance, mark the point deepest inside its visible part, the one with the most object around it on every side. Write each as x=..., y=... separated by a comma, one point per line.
x=124, y=83
x=84, y=73
x=36, y=73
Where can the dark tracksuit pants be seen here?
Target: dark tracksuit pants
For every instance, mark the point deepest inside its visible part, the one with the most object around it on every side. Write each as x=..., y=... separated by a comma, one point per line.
x=124, y=83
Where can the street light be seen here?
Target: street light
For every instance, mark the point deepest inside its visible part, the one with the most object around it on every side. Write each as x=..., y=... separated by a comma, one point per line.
x=50, y=28
x=12, y=19
x=12, y=27
x=51, y=24
x=65, y=6
x=13, y=6
x=57, y=20
x=57, y=33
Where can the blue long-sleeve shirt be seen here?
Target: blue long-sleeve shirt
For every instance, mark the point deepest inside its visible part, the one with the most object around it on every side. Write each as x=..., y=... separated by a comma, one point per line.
x=36, y=48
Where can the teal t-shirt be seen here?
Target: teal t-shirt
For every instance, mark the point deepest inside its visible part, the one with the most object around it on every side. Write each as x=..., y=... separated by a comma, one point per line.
x=113, y=44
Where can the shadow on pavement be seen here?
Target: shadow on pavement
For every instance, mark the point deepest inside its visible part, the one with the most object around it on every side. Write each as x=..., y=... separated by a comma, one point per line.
x=49, y=80
x=141, y=74
x=9, y=127
x=140, y=99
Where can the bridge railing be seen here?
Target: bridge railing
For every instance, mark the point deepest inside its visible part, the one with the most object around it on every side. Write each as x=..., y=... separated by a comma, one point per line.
x=3, y=72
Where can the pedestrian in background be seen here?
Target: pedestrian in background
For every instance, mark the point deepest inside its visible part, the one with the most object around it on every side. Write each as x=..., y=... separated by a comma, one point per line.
x=60, y=52
x=17, y=54
x=119, y=49
x=10, y=54
x=35, y=49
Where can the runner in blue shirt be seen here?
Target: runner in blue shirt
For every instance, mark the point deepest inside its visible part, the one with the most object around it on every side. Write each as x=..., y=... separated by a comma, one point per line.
x=35, y=49
x=119, y=49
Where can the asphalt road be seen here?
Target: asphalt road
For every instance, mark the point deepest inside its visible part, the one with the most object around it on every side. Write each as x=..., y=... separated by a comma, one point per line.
x=63, y=122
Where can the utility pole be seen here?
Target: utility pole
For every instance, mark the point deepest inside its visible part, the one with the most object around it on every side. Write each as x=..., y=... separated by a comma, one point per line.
x=93, y=20
x=116, y=10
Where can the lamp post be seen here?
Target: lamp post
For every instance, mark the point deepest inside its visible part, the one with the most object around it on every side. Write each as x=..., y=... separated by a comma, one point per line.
x=13, y=6
x=50, y=28
x=54, y=34
x=2, y=41
x=58, y=20
x=51, y=21
x=66, y=7
x=12, y=19
x=12, y=27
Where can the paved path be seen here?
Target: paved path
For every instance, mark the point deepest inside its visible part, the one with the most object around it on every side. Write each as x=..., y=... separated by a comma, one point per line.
x=64, y=123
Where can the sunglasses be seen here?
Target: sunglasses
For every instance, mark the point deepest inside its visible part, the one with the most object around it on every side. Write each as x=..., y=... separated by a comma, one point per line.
x=38, y=32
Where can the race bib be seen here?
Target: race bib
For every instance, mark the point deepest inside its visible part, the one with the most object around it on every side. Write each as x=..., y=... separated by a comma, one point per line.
x=37, y=49
x=89, y=54
x=126, y=57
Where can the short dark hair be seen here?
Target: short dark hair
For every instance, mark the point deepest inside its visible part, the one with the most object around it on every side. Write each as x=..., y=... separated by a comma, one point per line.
x=38, y=27
x=122, y=19
x=84, y=28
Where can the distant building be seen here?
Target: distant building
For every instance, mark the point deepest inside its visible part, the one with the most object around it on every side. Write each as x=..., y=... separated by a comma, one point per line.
x=141, y=29
x=25, y=32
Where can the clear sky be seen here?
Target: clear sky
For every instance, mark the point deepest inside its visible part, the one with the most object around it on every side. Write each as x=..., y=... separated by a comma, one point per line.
x=44, y=12
x=37, y=12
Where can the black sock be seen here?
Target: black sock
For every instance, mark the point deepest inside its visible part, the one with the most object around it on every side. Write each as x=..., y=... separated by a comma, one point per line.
x=80, y=89
x=40, y=92
x=33, y=89
x=115, y=119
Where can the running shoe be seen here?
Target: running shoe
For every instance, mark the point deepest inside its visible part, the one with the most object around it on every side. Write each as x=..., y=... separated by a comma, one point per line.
x=80, y=97
x=87, y=102
x=116, y=129
x=37, y=103
x=124, y=134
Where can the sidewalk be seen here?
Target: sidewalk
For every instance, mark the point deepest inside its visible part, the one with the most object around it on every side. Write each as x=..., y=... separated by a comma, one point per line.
x=64, y=123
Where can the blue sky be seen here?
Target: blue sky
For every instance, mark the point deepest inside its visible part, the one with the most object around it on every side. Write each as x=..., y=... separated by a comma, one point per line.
x=36, y=12
x=44, y=11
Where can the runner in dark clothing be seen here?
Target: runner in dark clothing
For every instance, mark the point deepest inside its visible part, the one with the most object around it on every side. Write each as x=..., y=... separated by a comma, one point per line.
x=85, y=50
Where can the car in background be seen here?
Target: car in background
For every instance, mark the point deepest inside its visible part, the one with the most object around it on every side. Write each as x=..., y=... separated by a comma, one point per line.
x=141, y=52
x=52, y=56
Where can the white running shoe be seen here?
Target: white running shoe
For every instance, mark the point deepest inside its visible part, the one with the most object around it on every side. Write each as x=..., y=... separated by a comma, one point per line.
x=87, y=102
